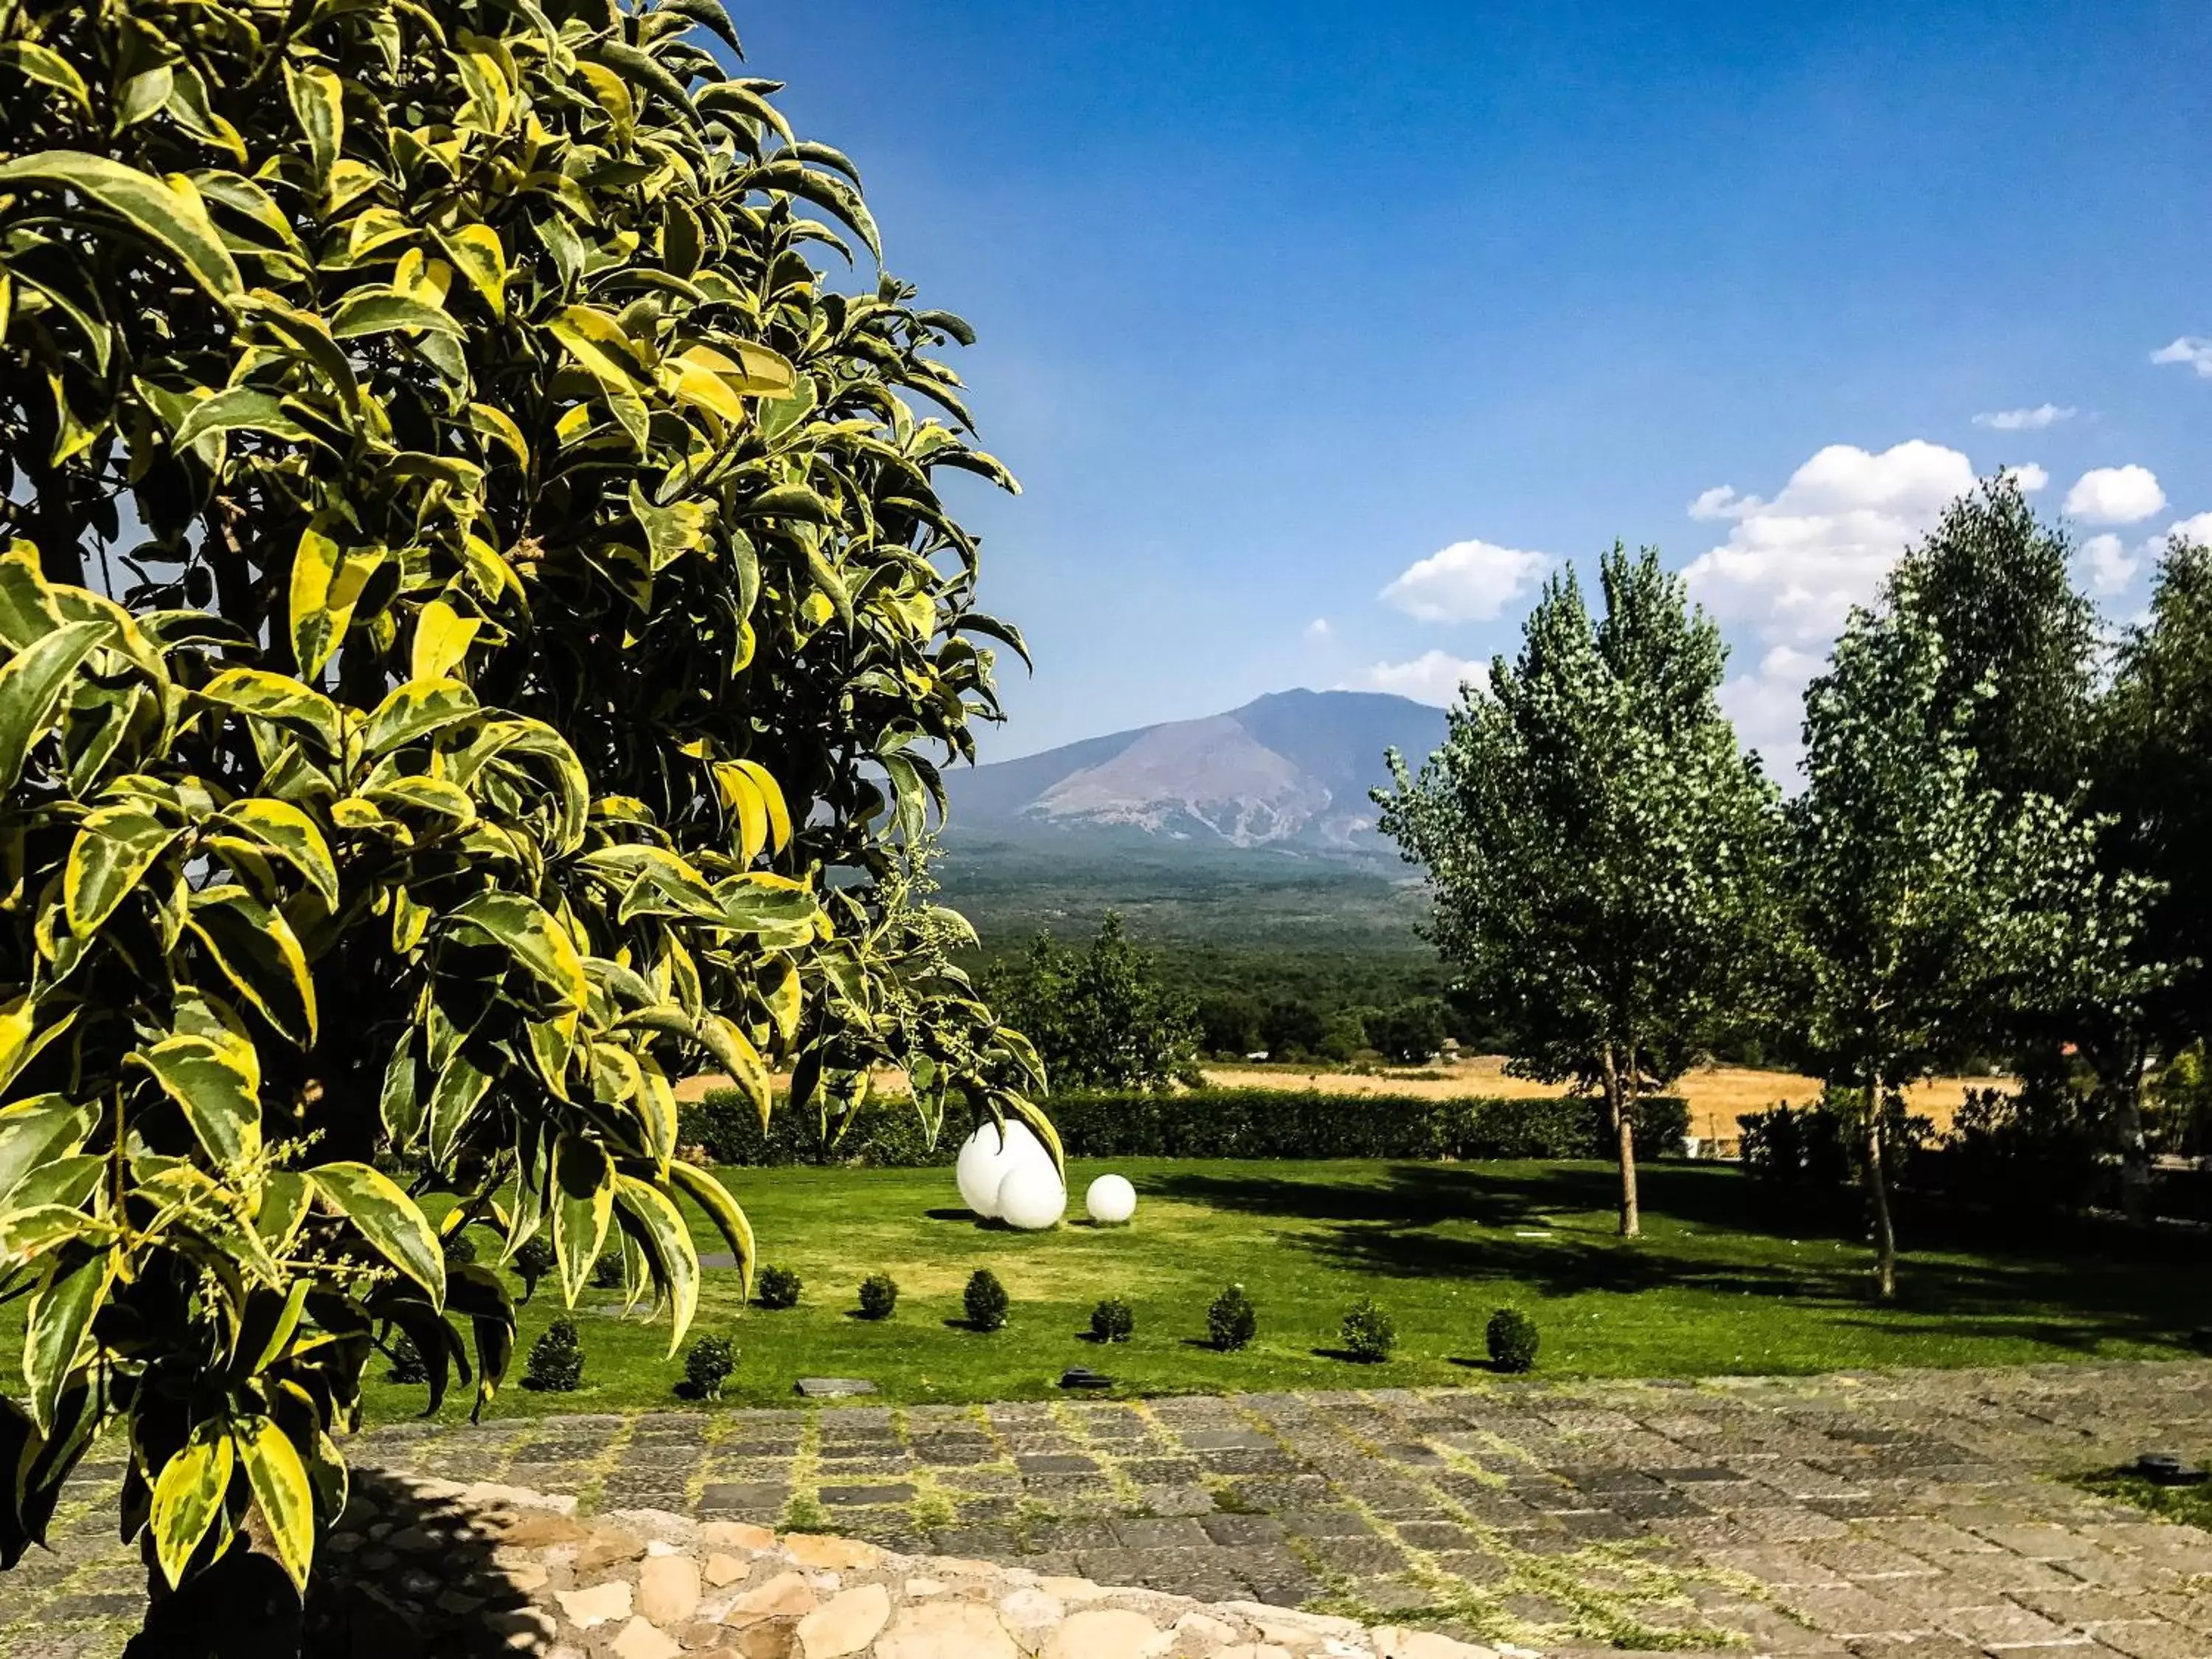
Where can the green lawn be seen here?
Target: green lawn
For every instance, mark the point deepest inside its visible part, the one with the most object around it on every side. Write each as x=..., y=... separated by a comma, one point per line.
x=1728, y=1278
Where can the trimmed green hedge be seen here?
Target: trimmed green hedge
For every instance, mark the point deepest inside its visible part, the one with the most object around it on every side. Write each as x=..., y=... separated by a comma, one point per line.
x=1249, y=1123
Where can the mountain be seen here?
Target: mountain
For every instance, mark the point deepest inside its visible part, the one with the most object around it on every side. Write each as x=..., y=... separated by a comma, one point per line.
x=1290, y=770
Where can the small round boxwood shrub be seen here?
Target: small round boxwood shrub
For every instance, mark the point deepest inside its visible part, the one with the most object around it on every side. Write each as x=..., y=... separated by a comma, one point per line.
x=879, y=1296
x=1512, y=1340
x=1369, y=1334
x=1112, y=1320
x=986, y=1301
x=407, y=1364
x=708, y=1365
x=607, y=1271
x=531, y=1263
x=556, y=1359
x=1232, y=1321
x=777, y=1287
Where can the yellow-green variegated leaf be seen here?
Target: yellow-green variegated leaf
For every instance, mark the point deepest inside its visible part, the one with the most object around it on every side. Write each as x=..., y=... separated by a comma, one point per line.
x=281, y=1487
x=278, y=829
x=528, y=932
x=60, y=1317
x=735, y=1050
x=115, y=846
x=459, y=1090
x=327, y=581
x=278, y=699
x=175, y=219
x=259, y=953
x=47, y=68
x=217, y=1086
x=442, y=638
x=33, y=682
x=388, y=1219
x=187, y=1495
x=583, y=1205
x=655, y=1225
x=729, y=1219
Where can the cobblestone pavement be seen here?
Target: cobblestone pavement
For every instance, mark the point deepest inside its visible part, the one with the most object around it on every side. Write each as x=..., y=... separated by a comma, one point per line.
x=1895, y=1515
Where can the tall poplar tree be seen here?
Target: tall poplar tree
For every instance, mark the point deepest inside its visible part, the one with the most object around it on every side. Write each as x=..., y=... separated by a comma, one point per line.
x=1599, y=846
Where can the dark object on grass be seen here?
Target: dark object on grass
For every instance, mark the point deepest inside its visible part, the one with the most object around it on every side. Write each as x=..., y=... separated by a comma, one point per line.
x=607, y=1271
x=407, y=1364
x=777, y=1287
x=531, y=1263
x=1113, y=1320
x=1082, y=1376
x=1369, y=1334
x=2166, y=1470
x=1232, y=1321
x=879, y=1296
x=460, y=1250
x=708, y=1365
x=556, y=1359
x=986, y=1301
x=1512, y=1341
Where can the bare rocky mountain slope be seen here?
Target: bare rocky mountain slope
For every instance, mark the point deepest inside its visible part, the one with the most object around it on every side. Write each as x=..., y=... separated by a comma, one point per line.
x=1291, y=770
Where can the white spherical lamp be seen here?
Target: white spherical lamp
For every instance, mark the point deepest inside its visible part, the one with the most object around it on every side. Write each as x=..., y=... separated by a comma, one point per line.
x=986, y=1159
x=1110, y=1200
x=1031, y=1197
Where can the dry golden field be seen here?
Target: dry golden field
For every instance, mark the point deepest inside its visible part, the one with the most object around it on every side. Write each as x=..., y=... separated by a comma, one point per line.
x=1717, y=1095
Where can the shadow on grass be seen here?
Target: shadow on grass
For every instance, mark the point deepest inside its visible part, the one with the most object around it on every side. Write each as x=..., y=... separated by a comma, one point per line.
x=1347, y=1355
x=2073, y=1285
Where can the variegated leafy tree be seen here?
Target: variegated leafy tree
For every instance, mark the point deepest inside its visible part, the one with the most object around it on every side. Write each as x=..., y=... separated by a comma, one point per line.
x=478, y=614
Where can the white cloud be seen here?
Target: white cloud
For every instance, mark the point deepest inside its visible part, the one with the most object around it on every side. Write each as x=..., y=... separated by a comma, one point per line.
x=2029, y=476
x=1767, y=706
x=2111, y=566
x=2189, y=348
x=1793, y=567
x=2025, y=420
x=1318, y=630
x=1468, y=581
x=1434, y=676
x=2115, y=494
x=2197, y=528
x=1721, y=501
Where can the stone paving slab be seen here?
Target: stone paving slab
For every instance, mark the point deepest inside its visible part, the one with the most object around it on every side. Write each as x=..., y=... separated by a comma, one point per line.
x=1910, y=1515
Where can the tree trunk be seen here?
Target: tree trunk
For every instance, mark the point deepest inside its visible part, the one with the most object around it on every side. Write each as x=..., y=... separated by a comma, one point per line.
x=2135, y=1146
x=1885, y=1234
x=1620, y=1099
x=242, y=1605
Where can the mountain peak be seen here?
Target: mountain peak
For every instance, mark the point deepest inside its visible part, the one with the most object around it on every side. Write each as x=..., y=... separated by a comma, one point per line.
x=1290, y=768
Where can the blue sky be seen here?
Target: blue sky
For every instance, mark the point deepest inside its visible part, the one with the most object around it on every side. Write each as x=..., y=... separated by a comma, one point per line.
x=1279, y=302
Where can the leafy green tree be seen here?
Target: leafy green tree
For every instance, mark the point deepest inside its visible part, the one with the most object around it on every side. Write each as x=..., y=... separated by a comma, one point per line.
x=1599, y=845
x=2020, y=648
x=1924, y=902
x=2020, y=645
x=2152, y=775
x=1100, y=1018
x=1410, y=1033
x=1229, y=1023
x=480, y=632
x=1293, y=1026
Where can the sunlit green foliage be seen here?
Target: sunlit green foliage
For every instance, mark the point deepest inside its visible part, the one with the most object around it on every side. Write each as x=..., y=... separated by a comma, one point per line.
x=480, y=631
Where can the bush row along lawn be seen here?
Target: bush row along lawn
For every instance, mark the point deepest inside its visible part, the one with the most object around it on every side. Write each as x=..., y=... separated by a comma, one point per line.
x=1728, y=1280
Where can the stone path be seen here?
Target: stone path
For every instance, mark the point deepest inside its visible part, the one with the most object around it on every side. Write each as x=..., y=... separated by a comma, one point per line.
x=1906, y=1516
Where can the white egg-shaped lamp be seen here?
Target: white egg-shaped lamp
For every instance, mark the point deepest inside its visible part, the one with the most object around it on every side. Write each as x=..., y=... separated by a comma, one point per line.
x=1032, y=1197
x=986, y=1159
x=1110, y=1200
